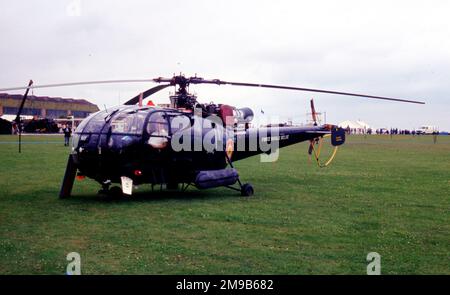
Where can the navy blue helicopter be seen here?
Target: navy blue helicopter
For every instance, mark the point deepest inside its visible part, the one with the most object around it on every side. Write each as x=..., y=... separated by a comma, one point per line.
x=186, y=144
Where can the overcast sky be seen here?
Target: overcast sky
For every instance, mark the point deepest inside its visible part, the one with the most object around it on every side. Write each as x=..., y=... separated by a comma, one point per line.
x=389, y=48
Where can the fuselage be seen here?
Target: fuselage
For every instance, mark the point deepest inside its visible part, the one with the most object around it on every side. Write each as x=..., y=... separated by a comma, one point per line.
x=164, y=145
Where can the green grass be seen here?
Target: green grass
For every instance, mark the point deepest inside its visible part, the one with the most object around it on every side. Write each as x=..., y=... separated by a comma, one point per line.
x=386, y=195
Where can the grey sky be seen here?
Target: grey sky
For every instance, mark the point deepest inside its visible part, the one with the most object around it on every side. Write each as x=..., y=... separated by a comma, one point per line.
x=390, y=48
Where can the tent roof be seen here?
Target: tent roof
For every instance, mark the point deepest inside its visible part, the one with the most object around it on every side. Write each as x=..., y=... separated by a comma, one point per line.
x=351, y=124
x=363, y=124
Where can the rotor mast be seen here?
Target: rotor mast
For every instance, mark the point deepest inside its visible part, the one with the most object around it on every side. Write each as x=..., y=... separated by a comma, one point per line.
x=182, y=98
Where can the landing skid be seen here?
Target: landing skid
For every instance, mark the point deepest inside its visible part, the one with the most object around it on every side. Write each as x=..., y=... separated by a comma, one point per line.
x=246, y=189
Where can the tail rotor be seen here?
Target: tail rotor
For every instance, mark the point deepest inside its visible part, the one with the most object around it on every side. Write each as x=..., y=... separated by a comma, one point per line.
x=336, y=134
x=314, y=141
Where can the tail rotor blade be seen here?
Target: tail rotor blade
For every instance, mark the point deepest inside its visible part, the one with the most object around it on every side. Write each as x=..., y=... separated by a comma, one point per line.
x=310, y=149
x=313, y=113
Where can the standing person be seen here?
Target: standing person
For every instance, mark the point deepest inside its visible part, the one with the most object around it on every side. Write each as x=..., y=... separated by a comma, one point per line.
x=67, y=133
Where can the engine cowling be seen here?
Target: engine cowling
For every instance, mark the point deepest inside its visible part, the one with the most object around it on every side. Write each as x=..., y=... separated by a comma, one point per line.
x=243, y=115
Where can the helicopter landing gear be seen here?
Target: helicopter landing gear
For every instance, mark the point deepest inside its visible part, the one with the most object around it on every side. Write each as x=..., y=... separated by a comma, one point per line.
x=105, y=187
x=115, y=192
x=246, y=189
x=174, y=186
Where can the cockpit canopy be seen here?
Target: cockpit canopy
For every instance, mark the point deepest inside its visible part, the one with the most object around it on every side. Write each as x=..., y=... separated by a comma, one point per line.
x=131, y=120
x=122, y=126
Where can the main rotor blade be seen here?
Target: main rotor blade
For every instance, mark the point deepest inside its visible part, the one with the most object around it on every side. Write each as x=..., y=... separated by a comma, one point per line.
x=146, y=93
x=219, y=82
x=179, y=80
x=80, y=83
x=24, y=98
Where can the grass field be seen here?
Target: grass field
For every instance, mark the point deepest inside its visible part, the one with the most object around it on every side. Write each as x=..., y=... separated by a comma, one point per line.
x=391, y=196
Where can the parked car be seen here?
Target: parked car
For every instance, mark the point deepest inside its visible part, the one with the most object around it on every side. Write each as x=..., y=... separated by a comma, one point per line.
x=427, y=130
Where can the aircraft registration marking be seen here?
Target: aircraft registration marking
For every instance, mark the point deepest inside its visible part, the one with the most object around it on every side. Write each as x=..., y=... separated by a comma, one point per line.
x=275, y=138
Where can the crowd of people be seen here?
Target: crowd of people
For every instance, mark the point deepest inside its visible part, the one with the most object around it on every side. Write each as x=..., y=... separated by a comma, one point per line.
x=395, y=131
x=369, y=131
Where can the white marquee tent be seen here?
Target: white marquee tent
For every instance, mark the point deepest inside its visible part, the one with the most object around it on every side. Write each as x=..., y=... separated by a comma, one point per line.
x=356, y=127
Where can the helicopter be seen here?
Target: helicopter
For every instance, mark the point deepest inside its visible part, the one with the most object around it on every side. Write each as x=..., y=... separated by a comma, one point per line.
x=185, y=144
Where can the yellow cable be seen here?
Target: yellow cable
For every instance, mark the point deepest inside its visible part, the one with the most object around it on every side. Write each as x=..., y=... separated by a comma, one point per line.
x=317, y=153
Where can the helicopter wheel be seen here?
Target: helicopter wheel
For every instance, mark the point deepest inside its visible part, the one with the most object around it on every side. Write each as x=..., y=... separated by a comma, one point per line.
x=115, y=192
x=103, y=192
x=105, y=188
x=247, y=190
x=173, y=186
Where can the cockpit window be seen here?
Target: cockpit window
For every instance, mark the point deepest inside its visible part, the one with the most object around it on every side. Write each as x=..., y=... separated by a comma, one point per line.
x=157, y=125
x=96, y=124
x=129, y=122
x=84, y=122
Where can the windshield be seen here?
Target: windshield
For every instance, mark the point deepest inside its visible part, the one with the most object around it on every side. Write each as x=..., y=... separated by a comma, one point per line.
x=96, y=124
x=157, y=125
x=129, y=122
x=84, y=122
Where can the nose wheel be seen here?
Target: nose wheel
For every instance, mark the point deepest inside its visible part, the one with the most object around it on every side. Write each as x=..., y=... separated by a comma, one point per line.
x=247, y=190
x=108, y=191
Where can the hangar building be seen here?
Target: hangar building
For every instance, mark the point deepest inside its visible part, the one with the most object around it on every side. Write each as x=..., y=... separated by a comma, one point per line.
x=46, y=107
